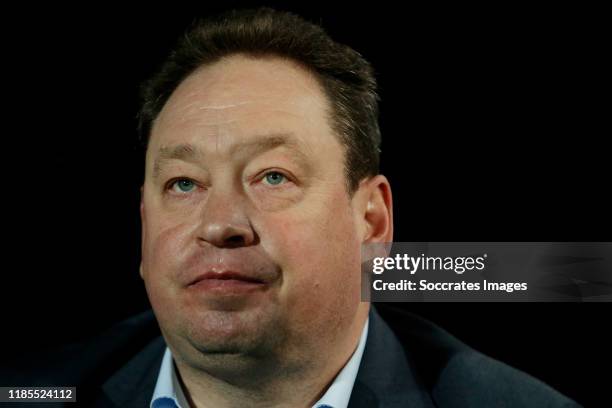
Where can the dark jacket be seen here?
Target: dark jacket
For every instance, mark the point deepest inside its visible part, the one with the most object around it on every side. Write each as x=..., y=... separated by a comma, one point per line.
x=411, y=364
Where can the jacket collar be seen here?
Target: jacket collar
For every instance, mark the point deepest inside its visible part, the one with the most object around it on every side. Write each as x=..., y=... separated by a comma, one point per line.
x=133, y=384
x=386, y=379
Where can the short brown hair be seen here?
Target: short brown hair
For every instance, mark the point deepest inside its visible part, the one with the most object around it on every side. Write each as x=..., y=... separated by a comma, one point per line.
x=346, y=77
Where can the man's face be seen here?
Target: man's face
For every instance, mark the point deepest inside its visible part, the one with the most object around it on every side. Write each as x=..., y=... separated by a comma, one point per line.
x=251, y=242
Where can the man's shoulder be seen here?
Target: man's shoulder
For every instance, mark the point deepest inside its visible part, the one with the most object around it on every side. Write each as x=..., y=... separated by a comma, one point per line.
x=88, y=362
x=456, y=375
x=470, y=377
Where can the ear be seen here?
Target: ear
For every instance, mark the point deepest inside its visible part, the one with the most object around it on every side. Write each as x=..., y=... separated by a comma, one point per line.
x=142, y=223
x=376, y=210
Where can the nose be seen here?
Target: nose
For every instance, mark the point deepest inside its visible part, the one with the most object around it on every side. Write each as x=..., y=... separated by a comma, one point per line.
x=224, y=222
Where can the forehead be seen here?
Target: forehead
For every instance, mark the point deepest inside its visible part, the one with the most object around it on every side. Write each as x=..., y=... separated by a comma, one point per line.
x=241, y=97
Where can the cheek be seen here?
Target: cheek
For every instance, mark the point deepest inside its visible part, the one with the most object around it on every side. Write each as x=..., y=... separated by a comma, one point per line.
x=163, y=251
x=317, y=247
x=164, y=247
x=320, y=258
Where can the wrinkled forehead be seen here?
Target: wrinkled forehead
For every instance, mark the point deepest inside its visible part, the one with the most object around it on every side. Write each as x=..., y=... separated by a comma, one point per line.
x=239, y=96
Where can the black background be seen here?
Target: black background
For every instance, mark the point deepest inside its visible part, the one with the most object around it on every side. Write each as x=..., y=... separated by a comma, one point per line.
x=495, y=124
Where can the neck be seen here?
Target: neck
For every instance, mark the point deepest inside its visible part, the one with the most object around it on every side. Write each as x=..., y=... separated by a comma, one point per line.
x=271, y=383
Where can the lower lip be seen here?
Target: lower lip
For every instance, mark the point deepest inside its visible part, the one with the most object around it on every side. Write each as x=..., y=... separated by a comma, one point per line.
x=226, y=286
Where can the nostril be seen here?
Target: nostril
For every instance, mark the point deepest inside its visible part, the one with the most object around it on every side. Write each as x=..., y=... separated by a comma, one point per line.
x=226, y=235
x=235, y=241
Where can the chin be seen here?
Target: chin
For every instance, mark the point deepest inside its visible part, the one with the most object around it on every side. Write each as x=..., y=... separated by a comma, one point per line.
x=246, y=332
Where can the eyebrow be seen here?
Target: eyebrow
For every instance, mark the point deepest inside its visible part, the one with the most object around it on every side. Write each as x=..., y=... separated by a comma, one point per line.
x=185, y=152
x=254, y=147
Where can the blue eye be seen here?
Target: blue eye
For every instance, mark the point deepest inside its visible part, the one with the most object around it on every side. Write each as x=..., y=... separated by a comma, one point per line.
x=275, y=178
x=184, y=185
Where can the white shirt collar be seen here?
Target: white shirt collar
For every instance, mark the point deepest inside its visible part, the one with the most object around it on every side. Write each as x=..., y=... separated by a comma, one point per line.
x=168, y=392
x=339, y=392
